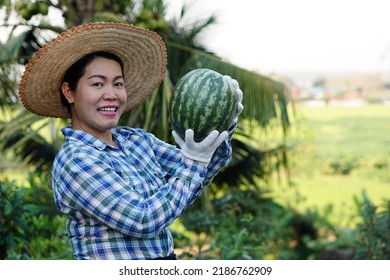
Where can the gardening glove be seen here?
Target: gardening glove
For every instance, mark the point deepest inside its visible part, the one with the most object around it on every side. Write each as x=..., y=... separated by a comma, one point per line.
x=239, y=94
x=200, y=151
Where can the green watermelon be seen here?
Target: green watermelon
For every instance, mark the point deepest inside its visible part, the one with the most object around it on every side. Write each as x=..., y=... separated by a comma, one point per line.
x=204, y=101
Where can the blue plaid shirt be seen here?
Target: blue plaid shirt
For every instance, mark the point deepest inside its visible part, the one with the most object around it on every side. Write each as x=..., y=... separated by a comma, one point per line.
x=121, y=200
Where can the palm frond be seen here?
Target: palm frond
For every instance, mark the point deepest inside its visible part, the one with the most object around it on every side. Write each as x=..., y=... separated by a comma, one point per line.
x=19, y=49
x=263, y=97
x=8, y=86
x=153, y=114
x=34, y=139
x=250, y=165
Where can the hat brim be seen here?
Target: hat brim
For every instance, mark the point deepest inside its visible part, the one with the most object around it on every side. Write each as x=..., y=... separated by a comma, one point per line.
x=142, y=52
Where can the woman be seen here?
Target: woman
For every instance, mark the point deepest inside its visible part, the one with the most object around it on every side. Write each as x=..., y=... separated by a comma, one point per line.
x=120, y=187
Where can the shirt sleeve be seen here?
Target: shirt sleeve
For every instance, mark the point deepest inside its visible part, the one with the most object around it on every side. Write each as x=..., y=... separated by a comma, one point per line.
x=90, y=185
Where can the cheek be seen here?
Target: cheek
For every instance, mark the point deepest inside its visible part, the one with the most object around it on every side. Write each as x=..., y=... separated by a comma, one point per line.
x=123, y=97
x=82, y=93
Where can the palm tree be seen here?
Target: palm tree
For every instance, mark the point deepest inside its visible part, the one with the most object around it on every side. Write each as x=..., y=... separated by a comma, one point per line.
x=264, y=101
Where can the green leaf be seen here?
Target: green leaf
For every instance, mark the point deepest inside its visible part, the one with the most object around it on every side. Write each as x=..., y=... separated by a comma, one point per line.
x=8, y=208
x=10, y=241
x=31, y=208
x=12, y=48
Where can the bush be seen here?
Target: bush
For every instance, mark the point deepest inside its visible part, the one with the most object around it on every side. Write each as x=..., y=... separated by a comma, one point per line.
x=49, y=239
x=247, y=226
x=341, y=166
x=373, y=242
x=14, y=228
x=30, y=227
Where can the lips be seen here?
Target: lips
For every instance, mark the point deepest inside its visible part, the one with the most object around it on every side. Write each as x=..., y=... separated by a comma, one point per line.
x=108, y=111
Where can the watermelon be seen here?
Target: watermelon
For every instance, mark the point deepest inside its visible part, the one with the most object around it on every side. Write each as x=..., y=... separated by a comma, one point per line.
x=203, y=100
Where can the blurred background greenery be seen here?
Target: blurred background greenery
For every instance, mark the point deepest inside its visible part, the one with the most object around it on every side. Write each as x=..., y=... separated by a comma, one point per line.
x=304, y=183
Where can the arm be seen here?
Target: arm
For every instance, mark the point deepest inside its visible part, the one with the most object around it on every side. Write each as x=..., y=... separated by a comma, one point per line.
x=89, y=185
x=169, y=157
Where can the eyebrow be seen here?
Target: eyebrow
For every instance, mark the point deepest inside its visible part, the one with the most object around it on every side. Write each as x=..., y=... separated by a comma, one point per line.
x=104, y=77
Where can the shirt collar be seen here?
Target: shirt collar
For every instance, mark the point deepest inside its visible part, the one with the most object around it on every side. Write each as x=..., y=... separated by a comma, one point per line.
x=120, y=134
x=82, y=136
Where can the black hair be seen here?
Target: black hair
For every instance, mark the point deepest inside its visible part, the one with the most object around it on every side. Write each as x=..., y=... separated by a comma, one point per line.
x=77, y=70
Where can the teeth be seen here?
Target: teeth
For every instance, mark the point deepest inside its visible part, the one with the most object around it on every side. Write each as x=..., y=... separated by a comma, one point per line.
x=107, y=109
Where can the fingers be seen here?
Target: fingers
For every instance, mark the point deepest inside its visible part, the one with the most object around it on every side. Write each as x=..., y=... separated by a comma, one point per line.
x=237, y=88
x=177, y=138
x=189, y=136
x=211, y=137
x=235, y=84
x=239, y=95
x=240, y=107
x=233, y=81
x=227, y=77
x=202, y=151
x=221, y=137
x=214, y=139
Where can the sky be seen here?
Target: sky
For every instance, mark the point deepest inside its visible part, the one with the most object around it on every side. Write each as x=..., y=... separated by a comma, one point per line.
x=284, y=36
x=297, y=36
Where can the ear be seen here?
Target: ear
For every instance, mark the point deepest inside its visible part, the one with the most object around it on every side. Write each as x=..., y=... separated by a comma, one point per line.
x=67, y=92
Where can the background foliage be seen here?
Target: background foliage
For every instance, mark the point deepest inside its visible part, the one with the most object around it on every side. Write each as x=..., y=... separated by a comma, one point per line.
x=237, y=217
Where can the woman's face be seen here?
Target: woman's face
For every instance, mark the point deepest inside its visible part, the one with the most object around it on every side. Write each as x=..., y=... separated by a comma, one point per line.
x=99, y=98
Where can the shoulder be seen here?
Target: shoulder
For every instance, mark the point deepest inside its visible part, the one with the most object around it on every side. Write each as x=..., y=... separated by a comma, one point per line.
x=73, y=151
x=79, y=146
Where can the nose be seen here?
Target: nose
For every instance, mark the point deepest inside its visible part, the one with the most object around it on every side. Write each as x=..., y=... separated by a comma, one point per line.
x=110, y=93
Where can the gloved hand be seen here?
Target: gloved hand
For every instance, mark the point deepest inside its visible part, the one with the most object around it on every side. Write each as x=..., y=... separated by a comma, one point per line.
x=239, y=94
x=202, y=151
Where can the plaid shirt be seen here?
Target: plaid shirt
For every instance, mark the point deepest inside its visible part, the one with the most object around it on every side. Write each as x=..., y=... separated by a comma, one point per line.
x=121, y=200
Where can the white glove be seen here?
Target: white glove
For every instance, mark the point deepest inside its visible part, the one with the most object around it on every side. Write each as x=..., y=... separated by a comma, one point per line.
x=239, y=94
x=202, y=151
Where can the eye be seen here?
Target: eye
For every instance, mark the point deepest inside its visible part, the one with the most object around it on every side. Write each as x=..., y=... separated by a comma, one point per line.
x=98, y=84
x=119, y=84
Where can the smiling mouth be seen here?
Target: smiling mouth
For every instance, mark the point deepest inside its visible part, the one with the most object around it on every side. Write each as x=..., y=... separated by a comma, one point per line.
x=108, y=109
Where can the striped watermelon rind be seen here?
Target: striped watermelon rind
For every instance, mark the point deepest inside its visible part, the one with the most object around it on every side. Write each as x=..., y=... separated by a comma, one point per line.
x=204, y=101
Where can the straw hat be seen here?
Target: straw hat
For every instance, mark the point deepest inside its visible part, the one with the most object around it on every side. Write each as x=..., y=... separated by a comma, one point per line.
x=142, y=52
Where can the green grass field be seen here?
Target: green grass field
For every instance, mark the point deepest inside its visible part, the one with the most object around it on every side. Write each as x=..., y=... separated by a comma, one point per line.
x=353, y=132
x=345, y=151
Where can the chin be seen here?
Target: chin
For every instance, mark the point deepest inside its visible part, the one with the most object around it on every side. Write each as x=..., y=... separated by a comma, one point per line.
x=107, y=125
